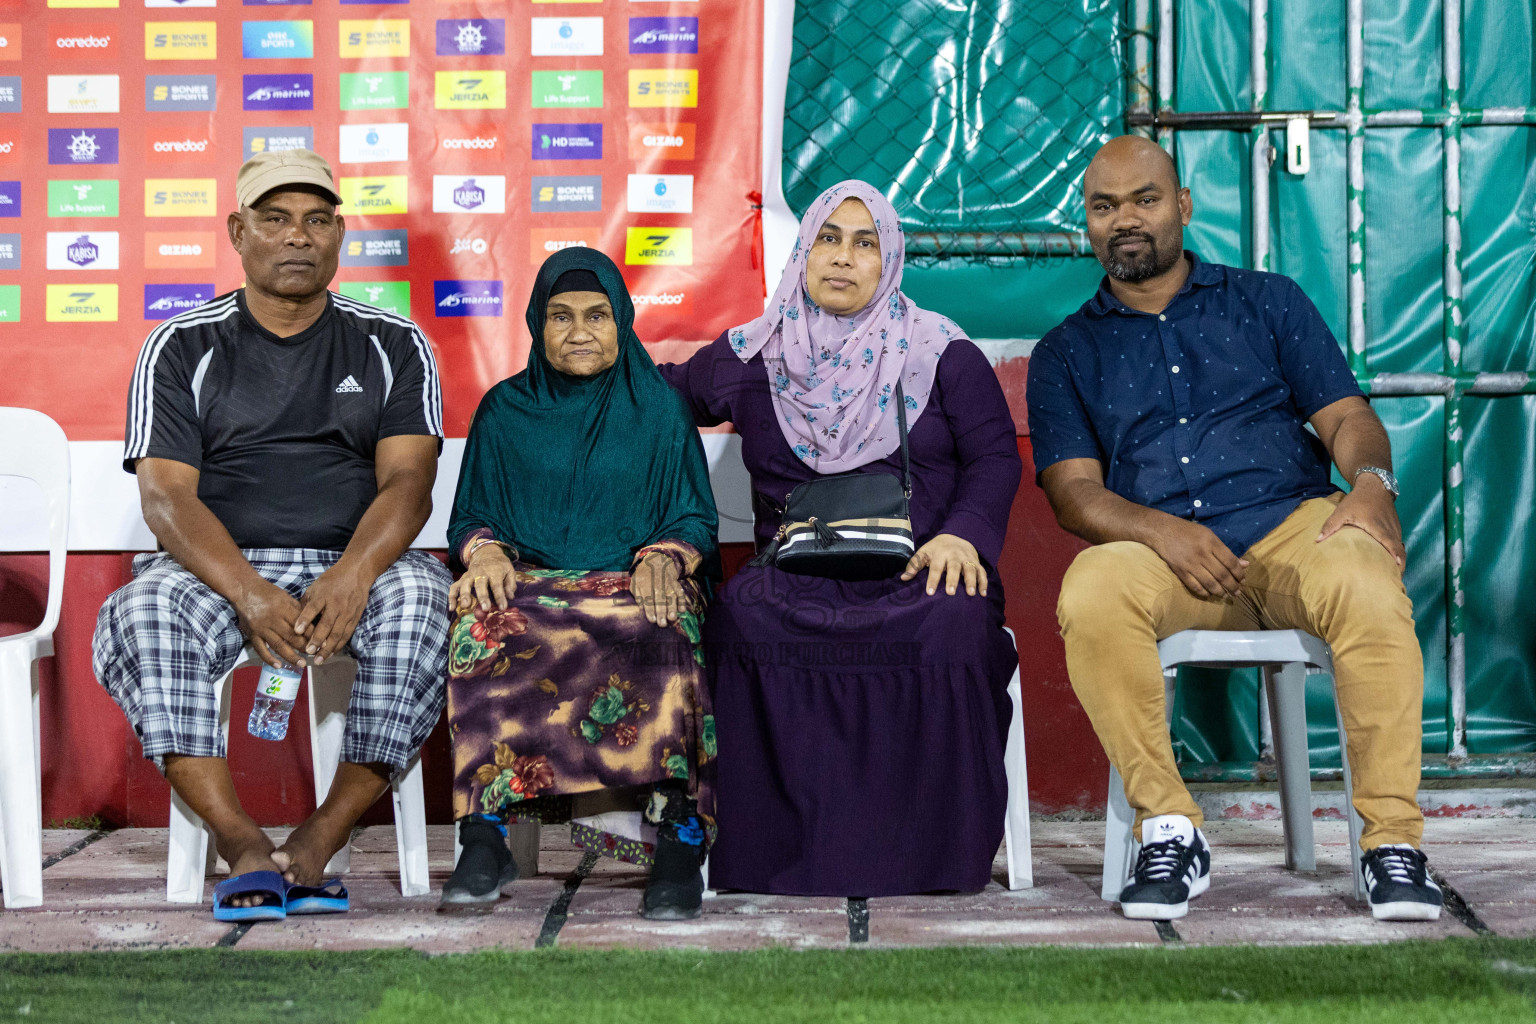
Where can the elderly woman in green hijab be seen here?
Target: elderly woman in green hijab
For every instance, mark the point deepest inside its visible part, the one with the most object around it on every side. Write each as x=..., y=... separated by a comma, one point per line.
x=586, y=528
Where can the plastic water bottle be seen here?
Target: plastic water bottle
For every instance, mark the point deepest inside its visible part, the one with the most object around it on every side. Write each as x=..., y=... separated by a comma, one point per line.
x=276, y=690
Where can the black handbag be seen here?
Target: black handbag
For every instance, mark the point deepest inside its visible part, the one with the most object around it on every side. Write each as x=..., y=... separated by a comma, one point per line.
x=848, y=526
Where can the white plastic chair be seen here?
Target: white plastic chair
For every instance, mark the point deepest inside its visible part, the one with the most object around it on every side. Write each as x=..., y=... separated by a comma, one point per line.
x=1288, y=657
x=33, y=446
x=1016, y=838
x=329, y=688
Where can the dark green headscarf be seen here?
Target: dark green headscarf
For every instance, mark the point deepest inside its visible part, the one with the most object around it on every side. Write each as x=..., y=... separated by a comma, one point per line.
x=581, y=472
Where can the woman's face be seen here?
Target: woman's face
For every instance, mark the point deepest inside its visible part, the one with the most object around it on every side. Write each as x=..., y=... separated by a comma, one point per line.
x=580, y=335
x=843, y=268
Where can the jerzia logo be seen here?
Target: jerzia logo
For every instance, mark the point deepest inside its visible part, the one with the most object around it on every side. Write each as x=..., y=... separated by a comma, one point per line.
x=68, y=304
x=659, y=247
x=467, y=298
x=477, y=90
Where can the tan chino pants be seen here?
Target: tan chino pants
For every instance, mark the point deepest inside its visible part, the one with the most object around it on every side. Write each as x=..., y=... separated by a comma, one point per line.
x=1118, y=600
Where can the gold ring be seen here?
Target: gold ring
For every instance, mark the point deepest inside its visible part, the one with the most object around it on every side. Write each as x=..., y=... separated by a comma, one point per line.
x=479, y=578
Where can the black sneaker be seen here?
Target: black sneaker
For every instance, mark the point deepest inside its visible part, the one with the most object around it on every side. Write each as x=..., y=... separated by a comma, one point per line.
x=1173, y=867
x=675, y=890
x=485, y=866
x=1397, y=877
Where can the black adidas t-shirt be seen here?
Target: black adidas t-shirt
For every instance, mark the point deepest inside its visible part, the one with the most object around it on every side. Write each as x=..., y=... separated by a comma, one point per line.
x=282, y=430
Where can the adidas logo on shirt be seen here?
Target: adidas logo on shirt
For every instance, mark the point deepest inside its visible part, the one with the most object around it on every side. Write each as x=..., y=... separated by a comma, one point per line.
x=349, y=386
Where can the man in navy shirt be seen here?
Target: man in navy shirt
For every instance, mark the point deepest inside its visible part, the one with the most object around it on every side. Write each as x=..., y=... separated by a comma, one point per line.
x=1169, y=421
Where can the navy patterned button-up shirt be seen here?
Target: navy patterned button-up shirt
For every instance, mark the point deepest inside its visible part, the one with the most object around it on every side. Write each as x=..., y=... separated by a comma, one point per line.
x=1200, y=410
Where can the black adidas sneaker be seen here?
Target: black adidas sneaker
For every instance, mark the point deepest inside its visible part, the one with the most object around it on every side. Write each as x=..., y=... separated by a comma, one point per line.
x=1397, y=878
x=1172, y=868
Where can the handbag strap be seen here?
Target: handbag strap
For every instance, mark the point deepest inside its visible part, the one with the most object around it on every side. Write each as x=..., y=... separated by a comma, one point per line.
x=901, y=426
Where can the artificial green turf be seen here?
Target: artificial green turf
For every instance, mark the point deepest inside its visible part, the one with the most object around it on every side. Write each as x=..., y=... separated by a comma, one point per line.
x=1461, y=980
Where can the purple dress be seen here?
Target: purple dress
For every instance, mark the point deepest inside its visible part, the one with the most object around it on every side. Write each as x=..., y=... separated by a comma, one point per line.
x=861, y=726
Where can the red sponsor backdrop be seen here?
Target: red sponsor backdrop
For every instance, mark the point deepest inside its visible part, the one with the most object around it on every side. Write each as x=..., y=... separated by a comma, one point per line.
x=77, y=372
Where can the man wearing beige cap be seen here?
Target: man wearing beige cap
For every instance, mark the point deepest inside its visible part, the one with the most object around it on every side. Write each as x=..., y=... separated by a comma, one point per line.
x=285, y=440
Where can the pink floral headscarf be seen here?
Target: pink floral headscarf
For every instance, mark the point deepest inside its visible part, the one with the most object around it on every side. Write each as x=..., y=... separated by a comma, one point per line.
x=834, y=377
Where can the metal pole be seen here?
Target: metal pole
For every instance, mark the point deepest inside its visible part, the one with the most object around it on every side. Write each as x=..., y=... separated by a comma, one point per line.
x=1455, y=338
x=1258, y=169
x=1165, y=68
x=1139, y=98
x=1354, y=46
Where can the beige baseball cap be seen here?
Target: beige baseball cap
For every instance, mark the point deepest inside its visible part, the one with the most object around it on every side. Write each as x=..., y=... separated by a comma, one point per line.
x=266, y=171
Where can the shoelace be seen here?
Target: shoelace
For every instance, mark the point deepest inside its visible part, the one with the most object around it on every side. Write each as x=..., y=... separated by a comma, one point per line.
x=1403, y=866
x=1159, y=862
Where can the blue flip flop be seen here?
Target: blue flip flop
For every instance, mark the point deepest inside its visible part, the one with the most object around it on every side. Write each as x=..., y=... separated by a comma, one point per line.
x=267, y=884
x=326, y=898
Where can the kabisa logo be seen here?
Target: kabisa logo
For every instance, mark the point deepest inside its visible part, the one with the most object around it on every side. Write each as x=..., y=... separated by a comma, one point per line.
x=162, y=301
x=566, y=37
x=661, y=193
x=180, y=92
x=82, y=94
x=477, y=246
x=383, y=195
x=382, y=38
x=82, y=145
x=75, y=250
x=277, y=140
x=181, y=40
x=375, y=90
x=671, y=247
x=10, y=199
x=471, y=90
x=280, y=40
x=663, y=35
x=279, y=92
x=376, y=248
x=664, y=87
x=375, y=143
x=69, y=304
x=471, y=37
x=467, y=298
x=567, y=141
x=456, y=193
x=180, y=197
x=568, y=194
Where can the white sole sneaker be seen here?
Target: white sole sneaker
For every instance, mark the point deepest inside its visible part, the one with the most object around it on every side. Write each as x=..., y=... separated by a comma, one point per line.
x=1166, y=911
x=1405, y=911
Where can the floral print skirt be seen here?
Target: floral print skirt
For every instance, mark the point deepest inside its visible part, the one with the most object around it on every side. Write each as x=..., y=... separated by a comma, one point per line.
x=571, y=690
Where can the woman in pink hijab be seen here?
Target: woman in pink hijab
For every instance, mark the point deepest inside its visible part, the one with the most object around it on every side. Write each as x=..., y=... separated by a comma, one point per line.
x=861, y=726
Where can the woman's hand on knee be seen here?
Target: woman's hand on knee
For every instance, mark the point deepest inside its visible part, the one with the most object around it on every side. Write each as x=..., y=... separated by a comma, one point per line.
x=489, y=579
x=658, y=589
x=950, y=561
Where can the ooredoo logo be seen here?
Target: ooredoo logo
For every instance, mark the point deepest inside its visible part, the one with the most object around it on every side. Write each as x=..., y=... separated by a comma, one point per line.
x=97, y=39
x=166, y=148
x=675, y=303
x=10, y=42
x=461, y=139
x=10, y=148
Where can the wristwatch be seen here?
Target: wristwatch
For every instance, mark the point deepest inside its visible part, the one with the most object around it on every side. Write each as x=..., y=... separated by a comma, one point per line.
x=1384, y=475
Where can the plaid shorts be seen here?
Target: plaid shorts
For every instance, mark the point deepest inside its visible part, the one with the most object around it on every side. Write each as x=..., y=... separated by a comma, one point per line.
x=164, y=641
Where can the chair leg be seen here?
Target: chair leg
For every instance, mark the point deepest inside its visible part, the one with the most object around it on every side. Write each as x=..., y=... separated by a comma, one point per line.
x=330, y=692
x=21, y=809
x=1286, y=690
x=1356, y=825
x=1016, y=837
x=411, y=830
x=191, y=853
x=523, y=837
x=1119, y=842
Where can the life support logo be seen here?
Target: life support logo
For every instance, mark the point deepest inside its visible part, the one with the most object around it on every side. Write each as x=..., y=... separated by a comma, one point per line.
x=566, y=37
x=471, y=37
x=659, y=141
x=176, y=250
x=471, y=90
x=75, y=250
x=458, y=193
x=466, y=298
x=276, y=140
x=581, y=193
x=279, y=92
x=10, y=41
x=82, y=145
x=663, y=35
x=386, y=37
x=94, y=198
x=375, y=143
x=163, y=301
x=181, y=40
x=95, y=39
x=375, y=90
x=67, y=303
x=277, y=40
x=385, y=195
x=390, y=296
x=567, y=141
x=376, y=248
x=664, y=247
x=81, y=94
x=172, y=93
x=180, y=197
x=661, y=193
x=664, y=87
x=567, y=89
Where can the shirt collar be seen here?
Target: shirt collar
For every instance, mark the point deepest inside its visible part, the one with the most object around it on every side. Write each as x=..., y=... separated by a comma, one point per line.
x=1201, y=274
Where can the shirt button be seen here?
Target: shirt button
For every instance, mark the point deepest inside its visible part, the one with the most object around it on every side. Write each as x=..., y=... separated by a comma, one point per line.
x=1183, y=419
x=1184, y=459
x=1162, y=316
x=1175, y=369
x=1197, y=503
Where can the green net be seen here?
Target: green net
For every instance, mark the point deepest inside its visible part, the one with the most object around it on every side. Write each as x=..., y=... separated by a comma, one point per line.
x=976, y=118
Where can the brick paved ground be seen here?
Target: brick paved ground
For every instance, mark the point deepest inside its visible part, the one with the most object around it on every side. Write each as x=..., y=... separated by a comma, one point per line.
x=111, y=895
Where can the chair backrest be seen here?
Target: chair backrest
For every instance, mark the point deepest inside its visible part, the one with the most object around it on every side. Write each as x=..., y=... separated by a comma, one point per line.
x=33, y=446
